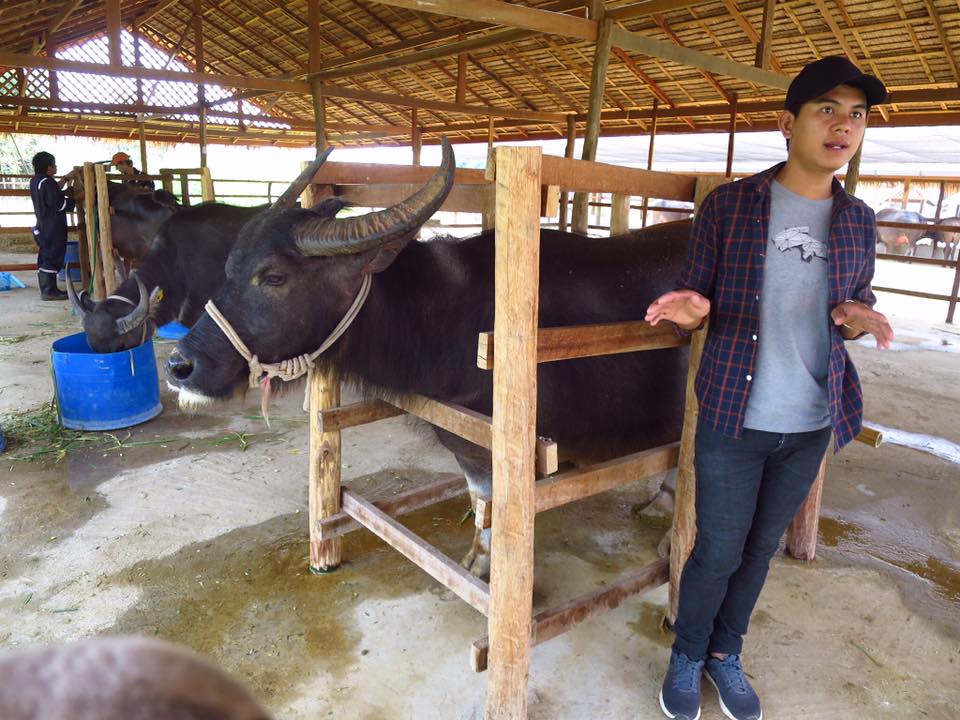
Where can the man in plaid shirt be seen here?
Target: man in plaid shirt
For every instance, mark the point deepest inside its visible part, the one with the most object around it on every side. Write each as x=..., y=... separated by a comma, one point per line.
x=781, y=262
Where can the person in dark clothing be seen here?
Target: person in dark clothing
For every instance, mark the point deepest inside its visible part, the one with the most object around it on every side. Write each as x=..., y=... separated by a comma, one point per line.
x=124, y=165
x=51, y=205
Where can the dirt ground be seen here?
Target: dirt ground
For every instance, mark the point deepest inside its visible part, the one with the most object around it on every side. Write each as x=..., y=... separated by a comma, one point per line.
x=198, y=535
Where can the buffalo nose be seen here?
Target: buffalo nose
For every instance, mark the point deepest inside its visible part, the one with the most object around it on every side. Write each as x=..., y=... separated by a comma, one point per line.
x=178, y=366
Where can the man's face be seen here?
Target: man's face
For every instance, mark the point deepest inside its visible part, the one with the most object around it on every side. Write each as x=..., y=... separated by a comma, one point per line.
x=125, y=167
x=51, y=170
x=828, y=130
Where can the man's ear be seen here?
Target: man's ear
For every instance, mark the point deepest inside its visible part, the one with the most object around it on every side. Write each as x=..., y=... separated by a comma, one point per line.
x=785, y=123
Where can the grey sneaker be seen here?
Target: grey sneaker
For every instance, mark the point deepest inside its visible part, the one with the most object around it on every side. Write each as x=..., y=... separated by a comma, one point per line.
x=680, y=694
x=737, y=699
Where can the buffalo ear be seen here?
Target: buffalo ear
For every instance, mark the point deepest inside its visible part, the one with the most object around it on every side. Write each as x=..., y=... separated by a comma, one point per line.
x=387, y=253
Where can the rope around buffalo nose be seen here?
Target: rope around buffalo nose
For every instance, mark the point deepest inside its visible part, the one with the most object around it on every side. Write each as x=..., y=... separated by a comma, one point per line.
x=291, y=369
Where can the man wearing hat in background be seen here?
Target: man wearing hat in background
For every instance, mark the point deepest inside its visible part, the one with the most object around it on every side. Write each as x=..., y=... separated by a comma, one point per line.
x=781, y=262
x=122, y=162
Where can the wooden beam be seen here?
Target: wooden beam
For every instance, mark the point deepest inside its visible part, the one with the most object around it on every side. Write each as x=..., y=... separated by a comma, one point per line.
x=338, y=173
x=396, y=506
x=752, y=34
x=105, y=238
x=572, y=174
x=556, y=621
x=325, y=458
x=703, y=61
x=944, y=39
x=765, y=39
x=420, y=552
x=461, y=77
x=359, y=413
x=580, y=341
x=201, y=67
x=517, y=265
x=653, y=136
x=496, y=12
x=731, y=134
x=827, y=16
x=113, y=32
x=61, y=17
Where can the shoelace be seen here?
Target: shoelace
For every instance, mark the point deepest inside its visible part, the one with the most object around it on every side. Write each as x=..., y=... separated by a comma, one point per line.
x=685, y=674
x=731, y=673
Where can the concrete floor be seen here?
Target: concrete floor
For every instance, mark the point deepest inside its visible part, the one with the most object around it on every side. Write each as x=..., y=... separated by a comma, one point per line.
x=200, y=537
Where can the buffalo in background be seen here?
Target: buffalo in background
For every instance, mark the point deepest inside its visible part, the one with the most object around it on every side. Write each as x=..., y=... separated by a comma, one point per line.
x=904, y=241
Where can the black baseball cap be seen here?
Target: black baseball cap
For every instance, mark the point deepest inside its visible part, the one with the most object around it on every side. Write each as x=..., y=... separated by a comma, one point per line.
x=821, y=76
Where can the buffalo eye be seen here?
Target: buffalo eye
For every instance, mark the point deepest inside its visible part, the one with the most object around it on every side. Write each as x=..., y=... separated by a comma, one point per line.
x=273, y=279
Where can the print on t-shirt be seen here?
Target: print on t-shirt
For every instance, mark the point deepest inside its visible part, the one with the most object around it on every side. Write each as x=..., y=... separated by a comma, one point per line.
x=799, y=237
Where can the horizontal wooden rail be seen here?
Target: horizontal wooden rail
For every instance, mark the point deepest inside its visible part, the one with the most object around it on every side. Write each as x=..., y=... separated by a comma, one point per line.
x=401, y=504
x=417, y=550
x=588, y=176
x=334, y=173
x=470, y=425
x=556, y=621
x=922, y=226
x=910, y=259
x=578, y=341
x=359, y=413
x=591, y=480
x=914, y=293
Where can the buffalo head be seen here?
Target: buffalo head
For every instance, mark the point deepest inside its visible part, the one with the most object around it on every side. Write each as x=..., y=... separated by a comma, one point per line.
x=291, y=277
x=116, y=323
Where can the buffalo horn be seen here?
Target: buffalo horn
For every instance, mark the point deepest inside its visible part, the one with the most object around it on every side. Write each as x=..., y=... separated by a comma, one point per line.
x=340, y=236
x=72, y=292
x=138, y=315
x=291, y=194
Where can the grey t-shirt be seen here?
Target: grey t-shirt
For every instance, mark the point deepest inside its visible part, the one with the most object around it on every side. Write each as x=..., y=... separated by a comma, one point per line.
x=788, y=390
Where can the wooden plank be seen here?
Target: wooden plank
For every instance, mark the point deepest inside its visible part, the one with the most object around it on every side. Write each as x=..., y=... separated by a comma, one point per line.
x=468, y=424
x=619, y=214
x=694, y=58
x=591, y=480
x=556, y=621
x=338, y=173
x=359, y=413
x=105, y=237
x=578, y=341
x=765, y=39
x=802, y=531
x=325, y=458
x=89, y=199
x=514, y=429
x=417, y=550
x=684, y=531
x=401, y=504
x=206, y=186
x=497, y=12
x=572, y=174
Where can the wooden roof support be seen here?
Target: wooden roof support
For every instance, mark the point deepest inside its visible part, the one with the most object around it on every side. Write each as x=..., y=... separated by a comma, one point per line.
x=113, y=32
x=747, y=28
x=598, y=77
x=944, y=40
x=40, y=42
x=837, y=32
x=765, y=41
x=665, y=26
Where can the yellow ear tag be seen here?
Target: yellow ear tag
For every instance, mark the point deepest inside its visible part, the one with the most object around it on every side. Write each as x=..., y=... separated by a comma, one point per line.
x=158, y=294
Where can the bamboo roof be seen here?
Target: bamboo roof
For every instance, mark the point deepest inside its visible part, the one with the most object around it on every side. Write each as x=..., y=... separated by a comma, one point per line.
x=465, y=68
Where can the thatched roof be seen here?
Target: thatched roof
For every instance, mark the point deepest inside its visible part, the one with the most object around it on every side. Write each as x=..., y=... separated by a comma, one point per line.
x=382, y=61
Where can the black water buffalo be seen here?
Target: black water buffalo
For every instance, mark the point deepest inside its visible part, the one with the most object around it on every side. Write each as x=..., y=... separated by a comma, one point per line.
x=186, y=262
x=950, y=240
x=293, y=274
x=137, y=215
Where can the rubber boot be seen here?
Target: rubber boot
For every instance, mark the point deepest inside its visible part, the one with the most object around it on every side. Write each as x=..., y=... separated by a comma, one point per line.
x=48, y=286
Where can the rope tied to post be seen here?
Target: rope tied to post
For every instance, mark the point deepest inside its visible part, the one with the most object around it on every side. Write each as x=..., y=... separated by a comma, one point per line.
x=292, y=368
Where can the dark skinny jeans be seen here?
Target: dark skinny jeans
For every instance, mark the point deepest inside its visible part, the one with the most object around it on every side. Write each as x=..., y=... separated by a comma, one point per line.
x=748, y=491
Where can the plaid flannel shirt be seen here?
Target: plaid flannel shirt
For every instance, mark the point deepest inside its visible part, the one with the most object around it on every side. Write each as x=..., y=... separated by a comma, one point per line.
x=725, y=264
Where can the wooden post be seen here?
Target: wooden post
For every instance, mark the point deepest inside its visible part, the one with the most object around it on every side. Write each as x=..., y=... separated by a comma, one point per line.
x=415, y=142
x=50, y=46
x=653, y=137
x=113, y=33
x=733, y=132
x=853, y=172
x=184, y=189
x=619, y=214
x=83, y=244
x=952, y=306
x=201, y=67
x=514, y=429
x=489, y=134
x=489, y=211
x=313, y=66
x=568, y=152
x=598, y=77
x=684, y=531
x=324, y=497
x=906, y=194
x=943, y=191
x=765, y=41
x=461, y=77
x=89, y=219
x=106, y=239
x=166, y=179
x=143, y=148
x=206, y=185
x=802, y=532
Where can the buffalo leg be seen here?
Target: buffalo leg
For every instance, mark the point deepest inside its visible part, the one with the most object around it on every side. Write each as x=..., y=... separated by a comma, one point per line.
x=479, y=476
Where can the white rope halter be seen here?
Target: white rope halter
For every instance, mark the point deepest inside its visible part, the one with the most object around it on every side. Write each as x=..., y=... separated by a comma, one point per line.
x=291, y=369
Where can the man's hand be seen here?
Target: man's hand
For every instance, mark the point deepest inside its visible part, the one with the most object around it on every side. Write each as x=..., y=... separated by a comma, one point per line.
x=686, y=308
x=855, y=318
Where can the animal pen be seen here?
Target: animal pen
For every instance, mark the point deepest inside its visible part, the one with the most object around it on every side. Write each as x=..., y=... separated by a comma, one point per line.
x=516, y=189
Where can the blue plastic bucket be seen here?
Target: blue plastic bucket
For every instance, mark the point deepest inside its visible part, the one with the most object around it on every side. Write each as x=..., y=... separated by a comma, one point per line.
x=104, y=391
x=71, y=258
